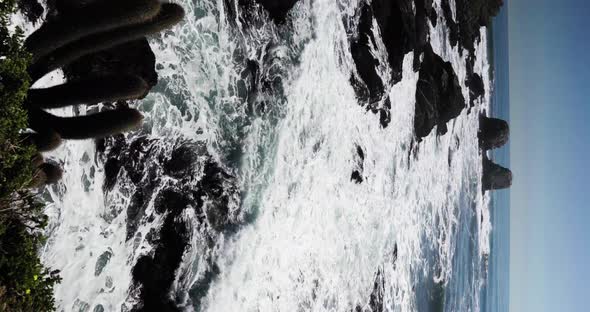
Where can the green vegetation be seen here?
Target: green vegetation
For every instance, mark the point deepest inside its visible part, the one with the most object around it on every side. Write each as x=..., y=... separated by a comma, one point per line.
x=25, y=285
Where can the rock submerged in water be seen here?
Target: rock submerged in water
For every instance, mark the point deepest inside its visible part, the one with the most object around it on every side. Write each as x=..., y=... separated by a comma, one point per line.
x=438, y=95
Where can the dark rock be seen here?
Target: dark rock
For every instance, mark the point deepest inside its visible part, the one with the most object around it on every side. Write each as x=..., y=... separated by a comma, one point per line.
x=476, y=87
x=31, y=9
x=102, y=261
x=171, y=200
x=155, y=274
x=438, y=95
x=471, y=16
x=356, y=177
x=181, y=162
x=213, y=188
x=495, y=177
x=402, y=31
x=493, y=132
x=201, y=184
x=277, y=9
x=370, y=88
x=357, y=174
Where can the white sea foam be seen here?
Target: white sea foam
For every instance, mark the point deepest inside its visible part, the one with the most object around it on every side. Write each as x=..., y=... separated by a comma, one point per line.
x=318, y=239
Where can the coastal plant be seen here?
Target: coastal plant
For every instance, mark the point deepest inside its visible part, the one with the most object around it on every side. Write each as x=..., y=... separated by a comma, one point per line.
x=25, y=284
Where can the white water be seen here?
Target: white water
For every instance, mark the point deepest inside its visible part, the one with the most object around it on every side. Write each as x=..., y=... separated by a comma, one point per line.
x=318, y=239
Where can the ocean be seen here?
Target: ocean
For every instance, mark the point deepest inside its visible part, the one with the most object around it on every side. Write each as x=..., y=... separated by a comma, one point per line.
x=296, y=233
x=496, y=292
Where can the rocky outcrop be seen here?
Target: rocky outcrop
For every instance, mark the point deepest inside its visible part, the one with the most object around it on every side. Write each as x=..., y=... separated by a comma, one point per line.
x=174, y=179
x=438, y=95
x=471, y=16
x=495, y=177
x=493, y=132
x=476, y=87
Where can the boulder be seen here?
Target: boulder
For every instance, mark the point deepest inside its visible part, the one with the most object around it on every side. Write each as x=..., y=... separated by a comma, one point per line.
x=495, y=177
x=476, y=87
x=438, y=95
x=493, y=132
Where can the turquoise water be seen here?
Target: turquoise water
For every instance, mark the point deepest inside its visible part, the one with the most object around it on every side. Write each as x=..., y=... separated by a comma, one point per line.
x=496, y=292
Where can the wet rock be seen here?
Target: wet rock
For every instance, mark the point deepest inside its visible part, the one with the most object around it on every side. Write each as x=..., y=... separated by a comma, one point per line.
x=357, y=174
x=182, y=160
x=31, y=9
x=214, y=195
x=155, y=274
x=370, y=88
x=438, y=95
x=171, y=200
x=493, y=132
x=495, y=177
x=277, y=9
x=471, y=16
x=404, y=28
x=102, y=261
x=476, y=87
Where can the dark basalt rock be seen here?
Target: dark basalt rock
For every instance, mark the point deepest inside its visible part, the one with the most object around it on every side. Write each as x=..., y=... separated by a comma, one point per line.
x=277, y=9
x=402, y=31
x=476, y=87
x=471, y=16
x=493, y=132
x=200, y=184
x=438, y=95
x=181, y=161
x=495, y=177
x=155, y=273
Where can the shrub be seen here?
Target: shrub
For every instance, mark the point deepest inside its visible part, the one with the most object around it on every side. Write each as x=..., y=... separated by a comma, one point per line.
x=25, y=285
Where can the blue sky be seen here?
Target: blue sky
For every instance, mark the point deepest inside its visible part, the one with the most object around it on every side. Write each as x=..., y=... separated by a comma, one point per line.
x=550, y=122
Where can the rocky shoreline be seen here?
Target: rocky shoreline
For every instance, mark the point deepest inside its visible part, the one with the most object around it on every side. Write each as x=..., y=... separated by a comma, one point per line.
x=166, y=182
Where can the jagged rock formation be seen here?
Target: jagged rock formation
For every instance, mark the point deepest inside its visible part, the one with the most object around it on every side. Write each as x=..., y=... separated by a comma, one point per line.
x=471, y=16
x=438, y=95
x=493, y=132
x=198, y=184
x=476, y=87
x=404, y=28
x=495, y=177
x=403, y=31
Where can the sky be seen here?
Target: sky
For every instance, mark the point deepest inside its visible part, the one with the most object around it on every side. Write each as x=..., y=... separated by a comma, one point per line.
x=549, y=52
